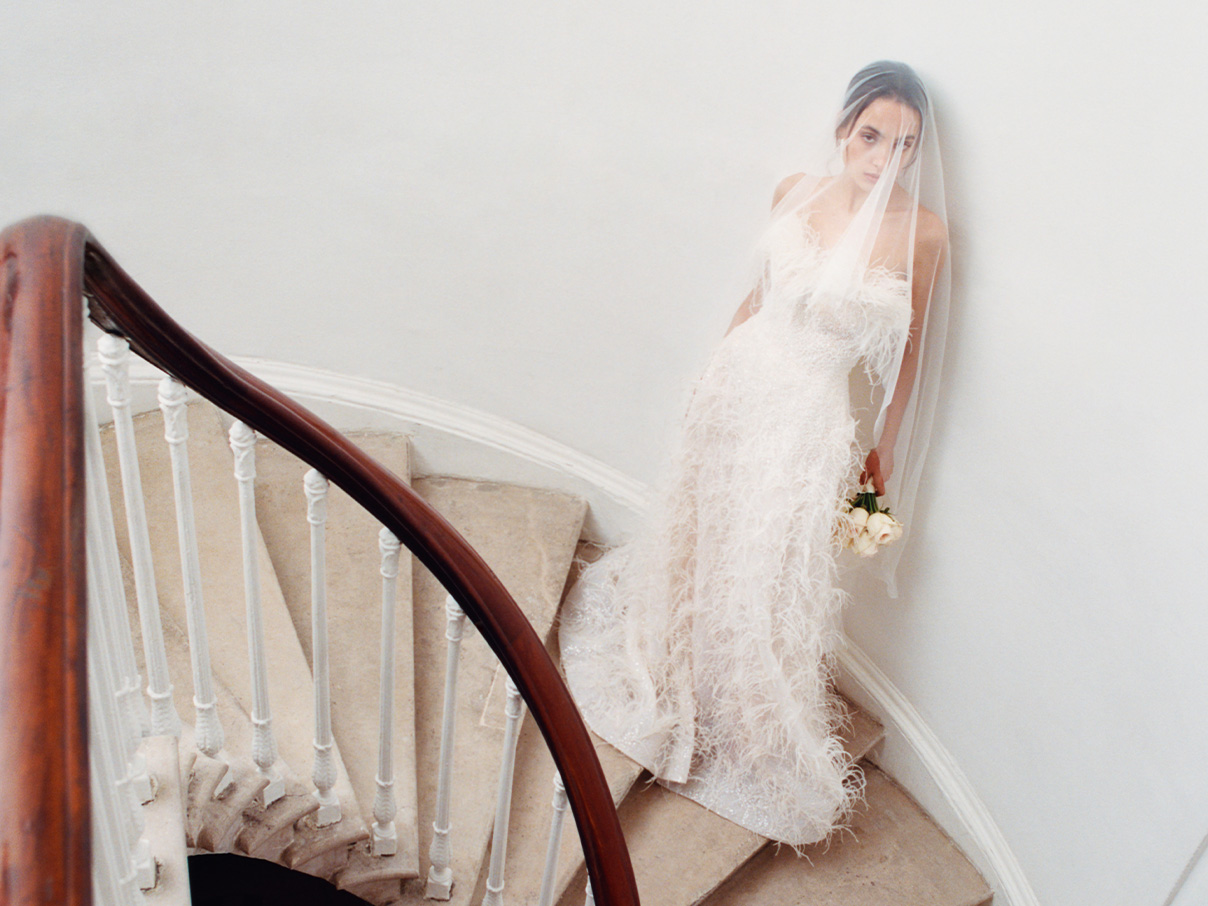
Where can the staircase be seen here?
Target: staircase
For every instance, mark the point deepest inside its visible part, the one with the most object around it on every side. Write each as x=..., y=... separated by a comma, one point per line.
x=316, y=699
x=682, y=853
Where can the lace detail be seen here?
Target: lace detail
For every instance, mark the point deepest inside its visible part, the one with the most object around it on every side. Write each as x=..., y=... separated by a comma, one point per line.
x=702, y=648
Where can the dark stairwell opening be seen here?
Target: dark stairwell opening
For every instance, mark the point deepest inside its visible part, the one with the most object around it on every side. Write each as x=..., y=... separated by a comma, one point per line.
x=229, y=880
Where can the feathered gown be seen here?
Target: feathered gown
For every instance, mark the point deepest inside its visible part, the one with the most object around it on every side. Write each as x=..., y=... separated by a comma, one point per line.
x=701, y=648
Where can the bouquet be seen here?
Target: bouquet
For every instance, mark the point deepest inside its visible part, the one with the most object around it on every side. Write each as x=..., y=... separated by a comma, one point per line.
x=869, y=525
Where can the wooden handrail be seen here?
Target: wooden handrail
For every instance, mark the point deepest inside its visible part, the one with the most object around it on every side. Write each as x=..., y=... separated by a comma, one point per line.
x=118, y=305
x=44, y=787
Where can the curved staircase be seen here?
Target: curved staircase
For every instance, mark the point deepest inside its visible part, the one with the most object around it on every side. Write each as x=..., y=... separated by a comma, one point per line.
x=682, y=854
x=383, y=748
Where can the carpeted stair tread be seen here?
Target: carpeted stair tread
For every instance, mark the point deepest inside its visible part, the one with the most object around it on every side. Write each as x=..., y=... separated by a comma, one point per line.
x=532, y=807
x=893, y=855
x=528, y=538
x=681, y=851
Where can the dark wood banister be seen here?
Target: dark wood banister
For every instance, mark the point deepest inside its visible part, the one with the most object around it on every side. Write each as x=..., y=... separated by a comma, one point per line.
x=45, y=820
x=118, y=305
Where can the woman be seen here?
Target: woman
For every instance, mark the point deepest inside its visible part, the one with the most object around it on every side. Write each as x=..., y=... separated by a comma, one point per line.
x=703, y=648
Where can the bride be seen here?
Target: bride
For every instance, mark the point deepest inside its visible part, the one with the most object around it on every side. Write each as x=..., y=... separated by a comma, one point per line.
x=703, y=648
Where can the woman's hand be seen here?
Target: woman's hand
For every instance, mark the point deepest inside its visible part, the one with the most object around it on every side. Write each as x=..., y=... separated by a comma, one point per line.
x=878, y=468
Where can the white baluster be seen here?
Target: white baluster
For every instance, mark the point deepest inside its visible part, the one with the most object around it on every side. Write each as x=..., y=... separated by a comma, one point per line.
x=590, y=899
x=113, y=875
x=324, y=771
x=115, y=361
x=208, y=730
x=503, y=802
x=546, y=897
x=264, y=744
x=440, y=874
x=109, y=600
x=115, y=878
x=122, y=814
x=385, y=836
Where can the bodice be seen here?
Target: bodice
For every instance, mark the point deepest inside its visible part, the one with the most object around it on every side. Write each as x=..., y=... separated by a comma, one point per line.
x=826, y=317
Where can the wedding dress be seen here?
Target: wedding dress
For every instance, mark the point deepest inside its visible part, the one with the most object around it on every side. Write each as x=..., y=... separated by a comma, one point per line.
x=703, y=648
x=701, y=652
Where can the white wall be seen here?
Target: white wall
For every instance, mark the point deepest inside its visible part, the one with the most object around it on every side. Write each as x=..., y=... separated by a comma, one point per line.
x=542, y=210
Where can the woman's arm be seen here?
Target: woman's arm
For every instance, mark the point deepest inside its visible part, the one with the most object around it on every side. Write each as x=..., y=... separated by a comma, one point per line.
x=748, y=308
x=930, y=246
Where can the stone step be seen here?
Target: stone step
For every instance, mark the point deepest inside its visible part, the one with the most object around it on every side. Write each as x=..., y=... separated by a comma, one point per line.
x=532, y=812
x=219, y=539
x=681, y=851
x=354, y=605
x=532, y=807
x=894, y=855
x=165, y=821
x=528, y=538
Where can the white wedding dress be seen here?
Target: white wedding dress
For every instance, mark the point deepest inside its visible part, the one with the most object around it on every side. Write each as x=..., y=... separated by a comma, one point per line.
x=702, y=648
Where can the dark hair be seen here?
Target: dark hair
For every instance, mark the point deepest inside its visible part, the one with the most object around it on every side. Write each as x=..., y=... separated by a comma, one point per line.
x=883, y=79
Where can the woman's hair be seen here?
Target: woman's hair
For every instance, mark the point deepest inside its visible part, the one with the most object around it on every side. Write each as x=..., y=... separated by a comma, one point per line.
x=883, y=79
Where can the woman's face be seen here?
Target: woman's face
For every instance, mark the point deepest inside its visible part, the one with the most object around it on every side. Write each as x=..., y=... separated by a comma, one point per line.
x=870, y=143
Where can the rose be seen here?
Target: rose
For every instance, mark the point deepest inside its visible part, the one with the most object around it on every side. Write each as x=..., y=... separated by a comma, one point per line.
x=883, y=528
x=851, y=525
x=895, y=529
x=864, y=545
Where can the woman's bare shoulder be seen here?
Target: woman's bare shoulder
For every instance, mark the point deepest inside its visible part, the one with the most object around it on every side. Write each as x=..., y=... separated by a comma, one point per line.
x=785, y=186
x=931, y=231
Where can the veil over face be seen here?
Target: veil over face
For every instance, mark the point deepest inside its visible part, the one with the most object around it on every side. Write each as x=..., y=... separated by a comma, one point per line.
x=871, y=202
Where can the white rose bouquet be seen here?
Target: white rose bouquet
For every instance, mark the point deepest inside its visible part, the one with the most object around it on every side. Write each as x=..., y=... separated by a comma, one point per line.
x=868, y=524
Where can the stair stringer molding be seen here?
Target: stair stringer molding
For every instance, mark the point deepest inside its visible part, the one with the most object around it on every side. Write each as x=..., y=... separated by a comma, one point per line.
x=469, y=443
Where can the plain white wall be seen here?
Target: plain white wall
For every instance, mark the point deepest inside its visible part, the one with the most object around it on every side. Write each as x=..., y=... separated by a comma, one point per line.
x=543, y=210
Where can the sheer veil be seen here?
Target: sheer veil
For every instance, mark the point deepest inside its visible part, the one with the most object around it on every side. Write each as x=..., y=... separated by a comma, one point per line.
x=872, y=197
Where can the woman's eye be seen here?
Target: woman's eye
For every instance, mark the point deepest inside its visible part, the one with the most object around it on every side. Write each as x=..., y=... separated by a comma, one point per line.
x=868, y=137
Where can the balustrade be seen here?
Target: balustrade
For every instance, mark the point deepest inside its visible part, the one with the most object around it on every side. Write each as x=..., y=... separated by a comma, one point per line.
x=264, y=743
x=503, y=804
x=385, y=836
x=550, y=874
x=45, y=300
x=120, y=813
x=109, y=600
x=324, y=771
x=440, y=873
x=207, y=731
x=115, y=362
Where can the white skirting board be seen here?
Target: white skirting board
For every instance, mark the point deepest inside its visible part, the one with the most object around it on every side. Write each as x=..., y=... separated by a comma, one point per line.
x=452, y=439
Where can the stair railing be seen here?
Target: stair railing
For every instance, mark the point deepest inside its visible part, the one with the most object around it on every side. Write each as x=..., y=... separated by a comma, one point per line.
x=44, y=770
x=49, y=263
